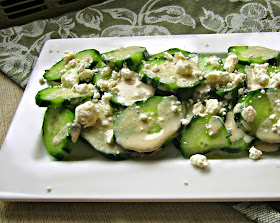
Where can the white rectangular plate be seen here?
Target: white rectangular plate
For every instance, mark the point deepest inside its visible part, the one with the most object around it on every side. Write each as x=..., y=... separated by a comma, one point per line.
x=29, y=173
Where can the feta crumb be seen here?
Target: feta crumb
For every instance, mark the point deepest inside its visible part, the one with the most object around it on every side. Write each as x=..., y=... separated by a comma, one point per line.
x=218, y=77
x=230, y=62
x=260, y=72
x=104, y=123
x=49, y=189
x=81, y=67
x=109, y=136
x=214, y=61
x=183, y=68
x=85, y=75
x=70, y=78
x=255, y=153
x=168, y=56
x=180, y=55
x=251, y=57
x=126, y=73
x=185, y=121
x=275, y=80
x=212, y=107
x=41, y=80
x=249, y=113
x=174, y=108
x=199, y=160
x=106, y=71
x=272, y=117
x=155, y=68
x=143, y=117
x=161, y=119
x=86, y=114
x=72, y=63
x=276, y=127
x=198, y=108
x=106, y=97
x=147, y=66
x=68, y=55
x=83, y=88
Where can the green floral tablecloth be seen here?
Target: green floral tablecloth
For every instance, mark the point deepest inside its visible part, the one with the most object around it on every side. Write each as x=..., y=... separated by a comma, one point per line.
x=20, y=46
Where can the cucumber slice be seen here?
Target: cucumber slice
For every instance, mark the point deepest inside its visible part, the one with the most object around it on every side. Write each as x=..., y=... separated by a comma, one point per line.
x=199, y=138
x=92, y=56
x=98, y=137
x=54, y=73
x=125, y=91
x=55, y=132
x=162, y=74
x=255, y=54
x=258, y=114
x=59, y=96
x=171, y=51
x=240, y=141
x=149, y=125
x=267, y=147
x=132, y=56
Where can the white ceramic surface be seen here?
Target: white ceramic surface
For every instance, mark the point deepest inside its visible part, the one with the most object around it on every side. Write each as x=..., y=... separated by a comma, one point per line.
x=29, y=173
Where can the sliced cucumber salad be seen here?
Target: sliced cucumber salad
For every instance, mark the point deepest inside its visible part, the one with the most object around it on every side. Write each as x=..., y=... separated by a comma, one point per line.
x=128, y=104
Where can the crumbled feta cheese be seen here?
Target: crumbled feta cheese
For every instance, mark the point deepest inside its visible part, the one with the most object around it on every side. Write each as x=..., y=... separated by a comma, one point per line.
x=198, y=108
x=174, y=108
x=86, y=114
x=274, y=81
x=218, y=77
x=185, y=121
x=249, y=113
x=212, y=107
x=106, y=71
x=63, y=71
x=155, y=68
x=251, y=57
x=68, y=55
x=276, y=127
x=147, y=66
x=272, y=117
x=106, y=97
x=168, y=56
x=109, y=136
x=255, y=153
x=72, y=63
x=104, y=123
x=106, y=84
x=143, y=117
x=230, y=62
x=70, y=78
x=161, y=119
x=214, y=61
x=41, y=80
x=96, y=95
x=179, y=55
x=126, y=73
x=183, y=68
x=199, y=160
x=260, y=73
x=80, y=67
x=85, y=75
x=83, y=88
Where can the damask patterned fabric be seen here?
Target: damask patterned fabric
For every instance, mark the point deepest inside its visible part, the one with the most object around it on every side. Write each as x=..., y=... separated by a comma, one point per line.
x=20, y=46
